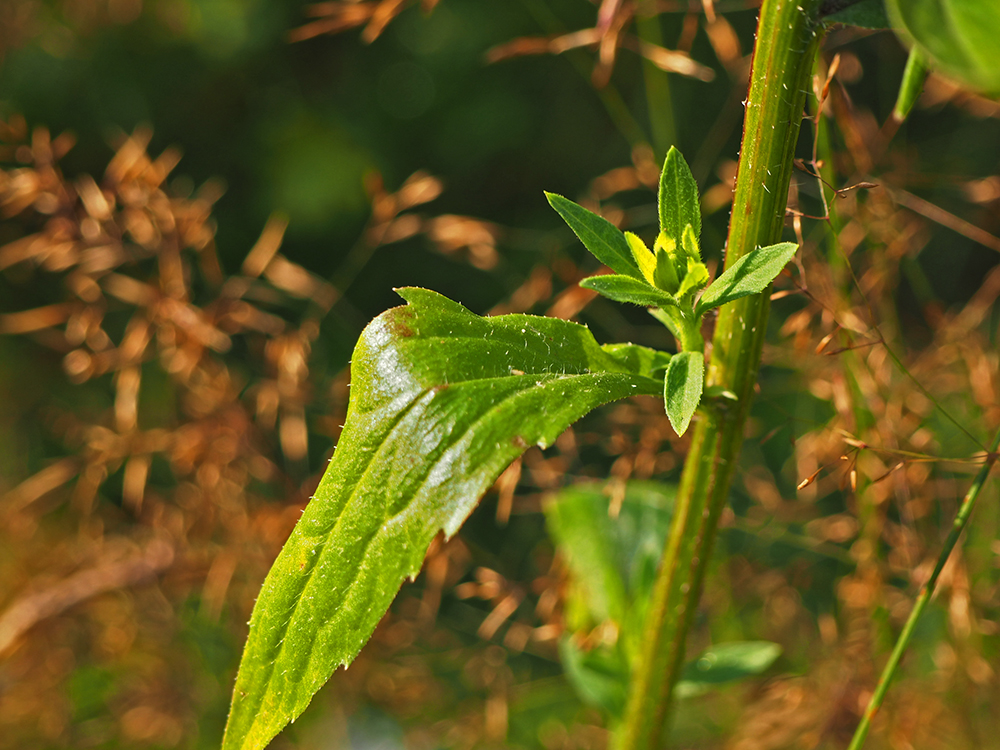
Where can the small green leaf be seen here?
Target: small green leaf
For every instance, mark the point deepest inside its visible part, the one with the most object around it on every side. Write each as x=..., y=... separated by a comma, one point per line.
x=666, y=276
x=914, y=75
x=720, y=393
x=868, y=14
x=695, y=278
x=690, y=243
x=441, y=402
x=643, y=256
x=679, y=204
x=960, y=38
x=602, y=238
x=682, y=388
x=626, y=289
x=749, y=275
x=725, y=662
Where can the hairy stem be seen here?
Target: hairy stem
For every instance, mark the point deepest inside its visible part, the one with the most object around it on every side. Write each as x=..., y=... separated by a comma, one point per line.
x=957, y=527
x=690, y=330
x=787, y=40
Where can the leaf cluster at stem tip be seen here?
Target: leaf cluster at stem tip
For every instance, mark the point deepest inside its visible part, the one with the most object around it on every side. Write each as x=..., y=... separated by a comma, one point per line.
x=671, y=279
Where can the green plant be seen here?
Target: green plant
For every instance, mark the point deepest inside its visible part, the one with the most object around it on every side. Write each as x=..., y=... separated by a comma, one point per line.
x=668, y=279
x=443, y=400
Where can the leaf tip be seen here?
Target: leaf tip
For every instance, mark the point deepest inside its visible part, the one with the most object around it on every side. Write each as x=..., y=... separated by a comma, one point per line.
x=682, y=388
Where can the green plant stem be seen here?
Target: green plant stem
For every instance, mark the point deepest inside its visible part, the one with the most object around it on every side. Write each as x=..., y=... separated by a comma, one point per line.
x=690, y=330
x=787, y=40
x=926, y=592
x=658, y=98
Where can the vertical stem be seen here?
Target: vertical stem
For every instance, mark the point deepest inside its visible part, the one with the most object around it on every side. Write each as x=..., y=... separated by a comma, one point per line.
x=787, y=40
x=957, y=527
x=658, y=99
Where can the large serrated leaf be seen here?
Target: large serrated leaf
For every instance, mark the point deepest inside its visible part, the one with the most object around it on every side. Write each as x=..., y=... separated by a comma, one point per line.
x=602, y=238
x=961, y=38
x=441, y=402
x=749, y=275
x=678, y=199
x=626, y=289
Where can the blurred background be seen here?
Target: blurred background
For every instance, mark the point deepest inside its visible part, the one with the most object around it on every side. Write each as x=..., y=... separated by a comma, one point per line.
x=203, y=202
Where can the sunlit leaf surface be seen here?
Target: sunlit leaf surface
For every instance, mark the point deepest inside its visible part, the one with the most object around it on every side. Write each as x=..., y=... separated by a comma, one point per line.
x=626, y=289
x=442, y=401
x=679, y=203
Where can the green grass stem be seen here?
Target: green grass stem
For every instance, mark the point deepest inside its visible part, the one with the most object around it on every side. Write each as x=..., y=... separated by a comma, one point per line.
x=926, y=592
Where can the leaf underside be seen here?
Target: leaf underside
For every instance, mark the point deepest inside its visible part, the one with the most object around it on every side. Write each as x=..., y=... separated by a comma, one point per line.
x=441, y=402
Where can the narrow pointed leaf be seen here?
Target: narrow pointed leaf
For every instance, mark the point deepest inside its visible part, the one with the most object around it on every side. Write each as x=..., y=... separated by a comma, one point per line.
x=642, y=255
x=678, y=197
x=441, y=402
x=602, y=238
x=689, y=242
x=682, y=388
x=749, y=275
x=626, y=289
x=696, y=278
x=724, y=663
x=912, y=85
